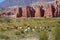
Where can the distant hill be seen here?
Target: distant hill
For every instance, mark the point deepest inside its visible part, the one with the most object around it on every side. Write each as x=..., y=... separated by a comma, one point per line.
x=9, y=3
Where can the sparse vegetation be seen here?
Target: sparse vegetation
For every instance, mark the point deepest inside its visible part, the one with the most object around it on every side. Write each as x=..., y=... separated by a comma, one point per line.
x=18, y=28
x=2, y=36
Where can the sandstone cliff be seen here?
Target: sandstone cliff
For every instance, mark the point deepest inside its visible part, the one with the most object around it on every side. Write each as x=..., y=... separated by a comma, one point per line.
x=39, y=9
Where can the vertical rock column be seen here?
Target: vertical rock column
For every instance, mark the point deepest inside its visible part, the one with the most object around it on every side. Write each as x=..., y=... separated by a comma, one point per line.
x=58, y=14
x=48, y=11
x=19, y=12
x=37, y=11
x=57, y=9
x=28, y=11
x=24, y=11
x=16, y=12
x=31, y=11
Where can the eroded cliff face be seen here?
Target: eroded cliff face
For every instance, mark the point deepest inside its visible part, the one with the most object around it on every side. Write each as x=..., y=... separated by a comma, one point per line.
x=48, y=10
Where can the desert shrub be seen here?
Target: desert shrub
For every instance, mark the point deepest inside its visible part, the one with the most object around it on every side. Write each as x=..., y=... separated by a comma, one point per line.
x=43, y=35
x=18, y=33
x=58, y=22
x=57, y=32
x=3, y=29
x=2, y=36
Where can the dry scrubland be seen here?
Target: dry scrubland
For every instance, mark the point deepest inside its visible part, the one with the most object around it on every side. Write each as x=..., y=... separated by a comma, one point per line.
x=29, y=28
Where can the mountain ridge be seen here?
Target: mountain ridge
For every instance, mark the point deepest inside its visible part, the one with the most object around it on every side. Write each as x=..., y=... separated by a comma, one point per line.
x=9, y=3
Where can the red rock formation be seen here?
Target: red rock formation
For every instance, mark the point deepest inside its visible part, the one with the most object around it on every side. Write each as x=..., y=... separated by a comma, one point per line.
x=48, y=11
x=44, y=10
x=8, y=12
x=31, y=11
x=19, y=12
x=24, y=11
x=58, y=11
x=37, y=11
x=53, y=10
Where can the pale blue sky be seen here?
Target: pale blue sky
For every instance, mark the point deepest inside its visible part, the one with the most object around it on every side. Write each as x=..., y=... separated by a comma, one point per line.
x=1, y=1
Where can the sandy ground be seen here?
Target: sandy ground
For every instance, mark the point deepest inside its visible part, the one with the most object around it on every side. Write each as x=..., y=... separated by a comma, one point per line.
x=30, y=38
